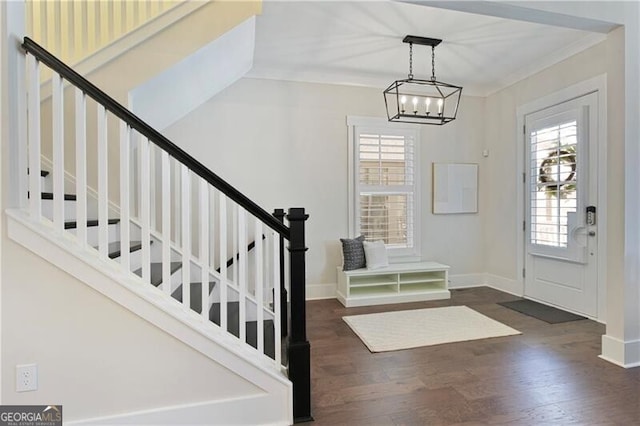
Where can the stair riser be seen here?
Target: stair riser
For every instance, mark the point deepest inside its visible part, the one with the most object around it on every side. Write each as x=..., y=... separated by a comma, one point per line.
x=46, y=184
x=70, y=210
x=135, y=260
x=92, y=234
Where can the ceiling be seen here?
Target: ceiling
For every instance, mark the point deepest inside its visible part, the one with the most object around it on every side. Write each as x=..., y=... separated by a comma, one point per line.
x=360, y=43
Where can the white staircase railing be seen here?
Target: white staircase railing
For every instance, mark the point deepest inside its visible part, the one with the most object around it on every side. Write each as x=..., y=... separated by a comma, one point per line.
x=190, y=224
x=74, y=29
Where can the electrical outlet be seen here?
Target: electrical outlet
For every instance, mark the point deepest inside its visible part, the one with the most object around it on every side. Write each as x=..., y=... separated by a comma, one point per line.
x=26, y=377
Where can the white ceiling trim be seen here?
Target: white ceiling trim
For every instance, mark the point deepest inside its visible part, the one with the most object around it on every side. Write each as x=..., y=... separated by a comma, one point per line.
x=520, y=12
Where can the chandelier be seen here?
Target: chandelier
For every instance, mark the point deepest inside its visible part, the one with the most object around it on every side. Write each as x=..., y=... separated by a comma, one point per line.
x=422, y=101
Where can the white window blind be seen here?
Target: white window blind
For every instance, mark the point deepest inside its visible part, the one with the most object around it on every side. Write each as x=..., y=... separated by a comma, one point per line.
x=554, y=174
x=386, y=187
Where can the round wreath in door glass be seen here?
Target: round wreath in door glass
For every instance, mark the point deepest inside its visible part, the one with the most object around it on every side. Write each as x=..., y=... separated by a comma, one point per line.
x=566, y=160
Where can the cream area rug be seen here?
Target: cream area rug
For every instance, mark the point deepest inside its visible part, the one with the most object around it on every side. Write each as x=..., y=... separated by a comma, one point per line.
x=392, y=331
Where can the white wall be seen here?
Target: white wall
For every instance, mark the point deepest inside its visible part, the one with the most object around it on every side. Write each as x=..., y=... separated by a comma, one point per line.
x=95, y=357
x=621, y=344
x=501, y=224
x=284, y=144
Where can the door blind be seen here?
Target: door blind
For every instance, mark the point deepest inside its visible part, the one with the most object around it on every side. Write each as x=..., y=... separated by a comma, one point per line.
x=554, y=176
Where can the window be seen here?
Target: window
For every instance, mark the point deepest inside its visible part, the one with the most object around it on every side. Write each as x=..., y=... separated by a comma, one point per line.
x=384, y=176
x=553, y=177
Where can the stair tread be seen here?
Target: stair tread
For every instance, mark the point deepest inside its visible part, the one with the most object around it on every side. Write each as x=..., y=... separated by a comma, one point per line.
x=114, y=248
x=196, y=294
x=71, y=224
x=156, y=271
x=233, y=326
x=67, y=197
x=43, y=173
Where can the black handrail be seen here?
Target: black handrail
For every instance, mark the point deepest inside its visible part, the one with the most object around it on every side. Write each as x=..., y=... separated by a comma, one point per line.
x=153, y=135
x=250, y=247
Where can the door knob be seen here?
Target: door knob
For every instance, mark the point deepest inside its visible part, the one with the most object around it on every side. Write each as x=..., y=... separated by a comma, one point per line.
x=592, y=233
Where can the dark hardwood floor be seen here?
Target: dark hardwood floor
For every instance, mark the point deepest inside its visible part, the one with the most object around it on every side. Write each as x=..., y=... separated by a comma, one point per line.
x=551, y=374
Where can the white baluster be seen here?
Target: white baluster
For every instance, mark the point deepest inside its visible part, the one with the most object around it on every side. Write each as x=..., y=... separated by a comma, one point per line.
x=204, y=246
x=130, y=15
x=73, y=32
x=57, y=105
x=234, y=246
x=177, y=223
x=81, y=166
x=125, y=197
x=54, y=32
x=166, y=222
x=64, y=35
x=257, y=255
x=143, y=153
x=35, y=202
x=81, y=20
x=104, y=24
x=242, y=272
x=222, y=215
x=103, y=189
x=44, y=24
x=212, y=226
x=275, y=264
x=118, y=21
x=186, y=236
x=153, y=8
x=92, y=25
x=152, y=186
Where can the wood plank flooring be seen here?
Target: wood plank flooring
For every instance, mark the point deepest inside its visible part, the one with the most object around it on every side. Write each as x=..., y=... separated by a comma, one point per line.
x=551, y=374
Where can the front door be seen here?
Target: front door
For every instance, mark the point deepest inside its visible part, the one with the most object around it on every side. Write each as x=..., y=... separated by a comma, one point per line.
x=560, y=211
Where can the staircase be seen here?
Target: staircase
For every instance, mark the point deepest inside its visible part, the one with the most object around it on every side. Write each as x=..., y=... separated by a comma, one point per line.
x=197, y=294
x=166, y=232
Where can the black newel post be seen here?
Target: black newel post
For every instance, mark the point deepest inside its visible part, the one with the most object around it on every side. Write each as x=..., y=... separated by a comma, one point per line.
x=284, y=316
x=298, y=348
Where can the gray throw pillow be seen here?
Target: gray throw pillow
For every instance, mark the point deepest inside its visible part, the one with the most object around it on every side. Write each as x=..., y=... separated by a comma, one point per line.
x=353, y=253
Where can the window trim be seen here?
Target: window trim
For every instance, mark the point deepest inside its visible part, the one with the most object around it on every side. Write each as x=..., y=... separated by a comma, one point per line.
x=356, y=125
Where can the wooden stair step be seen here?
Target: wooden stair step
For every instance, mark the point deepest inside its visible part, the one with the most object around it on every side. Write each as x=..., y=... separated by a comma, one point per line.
x=72, y=224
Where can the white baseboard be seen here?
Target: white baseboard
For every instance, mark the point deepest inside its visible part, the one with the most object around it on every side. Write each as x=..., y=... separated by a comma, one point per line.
x=466, y=281
x=622, y=353
x=255, y=409
x=507, y=285
x=321, y=291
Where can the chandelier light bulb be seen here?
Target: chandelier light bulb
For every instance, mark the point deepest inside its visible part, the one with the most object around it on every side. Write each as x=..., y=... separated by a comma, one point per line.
x=440, y=102
x=428, y=104
x=415, y=105
x=403, y=100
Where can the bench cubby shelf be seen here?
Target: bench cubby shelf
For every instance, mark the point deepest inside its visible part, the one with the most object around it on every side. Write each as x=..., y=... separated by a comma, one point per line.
x=402, y=282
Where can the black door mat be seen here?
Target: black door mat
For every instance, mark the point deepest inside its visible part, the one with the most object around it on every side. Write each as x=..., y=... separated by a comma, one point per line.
x=542, y=312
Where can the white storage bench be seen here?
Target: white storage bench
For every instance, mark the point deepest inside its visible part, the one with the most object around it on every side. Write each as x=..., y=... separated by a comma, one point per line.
x=402, y=282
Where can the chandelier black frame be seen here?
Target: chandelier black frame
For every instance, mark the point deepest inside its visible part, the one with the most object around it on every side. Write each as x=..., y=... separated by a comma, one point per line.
x=413, y=100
